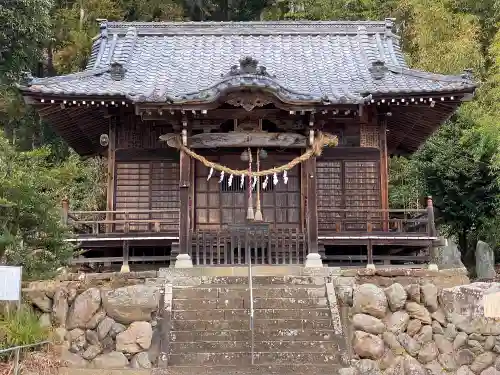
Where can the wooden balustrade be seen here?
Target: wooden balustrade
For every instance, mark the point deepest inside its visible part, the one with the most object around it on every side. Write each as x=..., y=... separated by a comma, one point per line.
x=239, y=244
x=395, y=221
x=133, y=221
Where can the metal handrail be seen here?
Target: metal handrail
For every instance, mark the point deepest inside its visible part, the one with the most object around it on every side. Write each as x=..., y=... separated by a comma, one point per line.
x=23, y=346
x=17, y=349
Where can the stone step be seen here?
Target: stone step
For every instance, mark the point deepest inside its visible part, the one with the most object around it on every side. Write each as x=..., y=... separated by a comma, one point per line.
x=241, y=303
x=227, y=314
x=263, y=280
x=289, y=303
x=270, y=324
x=259, y=346
x=259, y=335
x=270, y=291
x=208, y=304
x=244, y=358
x=287, y=369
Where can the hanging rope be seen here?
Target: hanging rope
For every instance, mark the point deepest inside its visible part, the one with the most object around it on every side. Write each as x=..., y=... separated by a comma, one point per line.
x=320, y=141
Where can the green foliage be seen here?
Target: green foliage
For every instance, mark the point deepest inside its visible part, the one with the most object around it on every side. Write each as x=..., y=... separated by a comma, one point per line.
x=455, y=165
x=20, y=328
x=31, y=189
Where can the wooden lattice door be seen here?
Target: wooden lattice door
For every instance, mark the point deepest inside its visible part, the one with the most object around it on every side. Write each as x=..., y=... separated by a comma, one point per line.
x=348, y=192
x=219, y=205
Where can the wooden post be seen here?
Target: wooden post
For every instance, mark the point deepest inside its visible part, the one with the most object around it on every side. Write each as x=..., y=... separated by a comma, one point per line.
x=431, y=228
x=183, y=259
x=125, y=266
x=369, y=250
x=313, y=257
x=384, y=176
x=430, y=217
x=64, y=210
x=110, y=191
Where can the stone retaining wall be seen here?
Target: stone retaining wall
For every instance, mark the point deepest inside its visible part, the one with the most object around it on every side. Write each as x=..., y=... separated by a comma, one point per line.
x=113, y=320
x=101, y=320
x=420, y=329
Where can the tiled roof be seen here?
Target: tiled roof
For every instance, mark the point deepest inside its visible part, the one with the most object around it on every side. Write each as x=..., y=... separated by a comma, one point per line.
x=305, y=62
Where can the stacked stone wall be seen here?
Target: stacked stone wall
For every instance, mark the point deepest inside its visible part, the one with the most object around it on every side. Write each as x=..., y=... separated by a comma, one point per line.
x=101, y=320
x=420, y=328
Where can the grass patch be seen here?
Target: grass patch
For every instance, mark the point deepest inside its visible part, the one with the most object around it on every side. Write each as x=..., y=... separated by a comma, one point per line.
x=20, y=328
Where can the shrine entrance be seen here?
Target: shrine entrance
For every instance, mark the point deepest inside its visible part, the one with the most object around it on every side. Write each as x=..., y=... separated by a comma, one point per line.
x=222, y=234
x=219, y=204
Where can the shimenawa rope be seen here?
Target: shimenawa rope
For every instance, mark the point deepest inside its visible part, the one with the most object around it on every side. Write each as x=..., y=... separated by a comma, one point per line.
x=320, y=141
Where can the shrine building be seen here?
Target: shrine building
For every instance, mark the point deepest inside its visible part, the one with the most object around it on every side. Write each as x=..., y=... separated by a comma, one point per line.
x=236, y=142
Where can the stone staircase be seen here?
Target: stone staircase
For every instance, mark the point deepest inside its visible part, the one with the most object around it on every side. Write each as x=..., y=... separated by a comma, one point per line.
x=293, y=325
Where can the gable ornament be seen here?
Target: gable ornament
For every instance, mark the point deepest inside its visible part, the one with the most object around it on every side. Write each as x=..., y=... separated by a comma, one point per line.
x=248, y=102
x=248, y=65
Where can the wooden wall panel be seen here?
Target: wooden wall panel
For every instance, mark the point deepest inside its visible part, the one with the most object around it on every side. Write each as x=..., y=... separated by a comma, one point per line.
x=133, y=133
x=148, y=185
x=348, y=186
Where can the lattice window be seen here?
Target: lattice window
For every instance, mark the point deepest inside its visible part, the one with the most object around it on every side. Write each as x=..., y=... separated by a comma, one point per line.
x=346, y=190
x=148, y=185
x=370, y=136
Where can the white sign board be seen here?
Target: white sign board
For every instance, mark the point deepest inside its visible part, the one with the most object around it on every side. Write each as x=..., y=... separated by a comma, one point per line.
x=491, y=303
x=10, y=283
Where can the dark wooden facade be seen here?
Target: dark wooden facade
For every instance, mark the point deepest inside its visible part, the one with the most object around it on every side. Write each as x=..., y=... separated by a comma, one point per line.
x=159, y=198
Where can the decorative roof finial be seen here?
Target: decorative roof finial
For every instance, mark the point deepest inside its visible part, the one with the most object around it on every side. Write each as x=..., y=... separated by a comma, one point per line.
x=468, y=74
x=103, y=27
x=389, y=23
x=378, y=69
x=117, y=71
x=27, y=78
x=389, y=26
x=248, y=65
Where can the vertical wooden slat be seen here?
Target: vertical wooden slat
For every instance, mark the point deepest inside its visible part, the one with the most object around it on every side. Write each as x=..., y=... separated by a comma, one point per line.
x=297, y=248
x=110, y=193
x=384, y=175
x=184, y=182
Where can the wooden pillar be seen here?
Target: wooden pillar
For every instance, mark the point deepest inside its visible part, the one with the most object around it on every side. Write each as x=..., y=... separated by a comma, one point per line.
x=125, y=266
x=184, y=259
x=110, y=192
x=64, y=211
x=431, y=228
x=369, y=251
x=313, y=257
x=384, y=175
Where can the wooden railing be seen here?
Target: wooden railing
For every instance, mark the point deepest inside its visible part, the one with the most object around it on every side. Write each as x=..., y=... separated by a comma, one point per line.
x=240, y=244
x=133, y=221
x=396, y=221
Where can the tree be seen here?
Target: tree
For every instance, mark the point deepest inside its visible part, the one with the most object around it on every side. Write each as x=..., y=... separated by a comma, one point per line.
x=31, y=188
x=456, y=167
x=31, y=233
x=24, y=33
